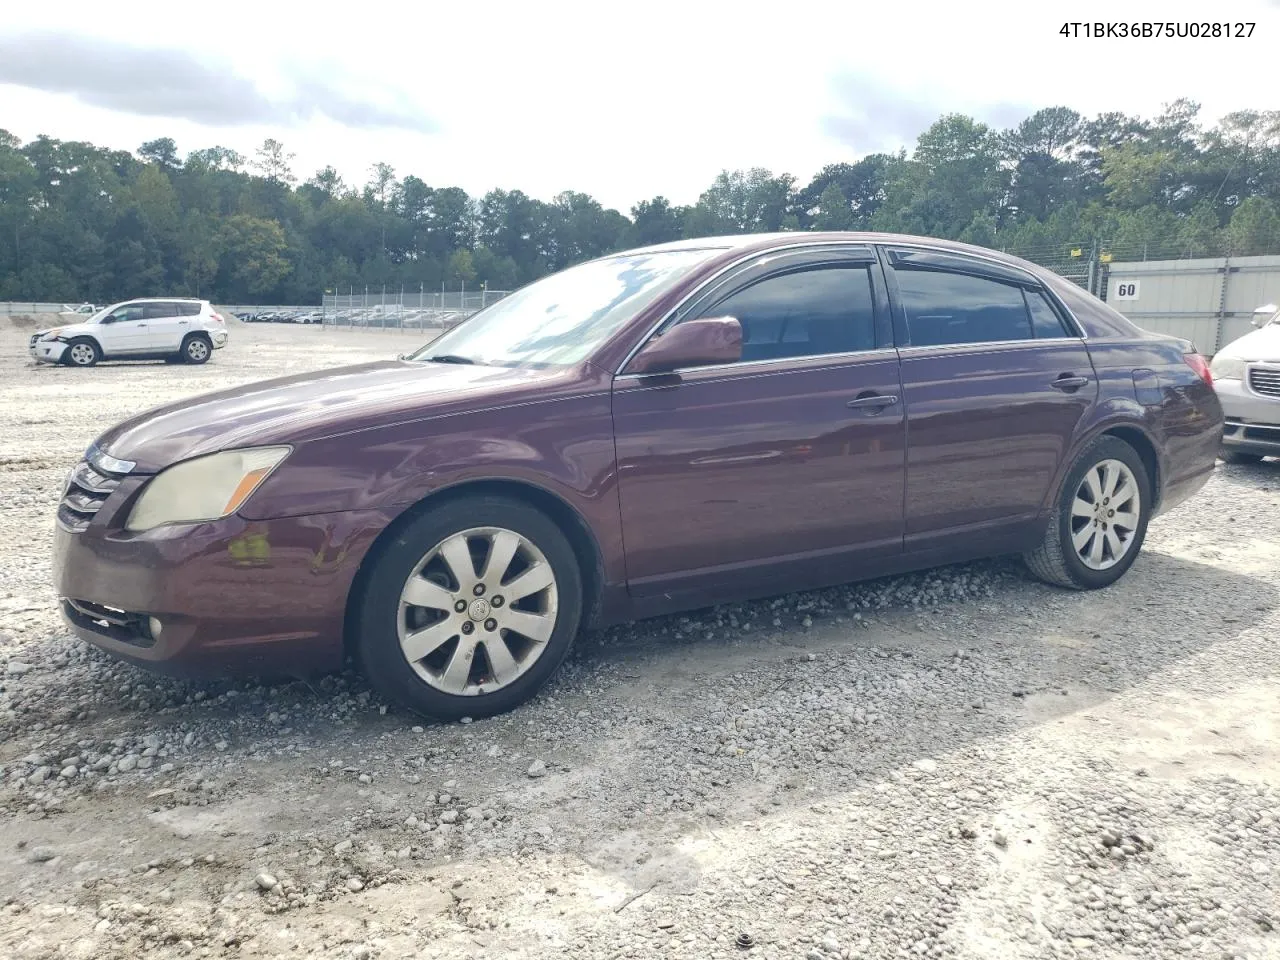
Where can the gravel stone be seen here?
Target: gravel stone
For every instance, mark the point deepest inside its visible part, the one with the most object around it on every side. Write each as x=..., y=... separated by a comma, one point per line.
x=827, y=788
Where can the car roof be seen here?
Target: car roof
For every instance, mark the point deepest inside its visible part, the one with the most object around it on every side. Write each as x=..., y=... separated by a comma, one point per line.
x=162, y=300
x=764, y=241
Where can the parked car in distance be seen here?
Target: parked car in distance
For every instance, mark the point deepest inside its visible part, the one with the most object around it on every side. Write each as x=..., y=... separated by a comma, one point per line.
x=72, y=314
x=652, y=431
x=1246, y=375
x=170, y=328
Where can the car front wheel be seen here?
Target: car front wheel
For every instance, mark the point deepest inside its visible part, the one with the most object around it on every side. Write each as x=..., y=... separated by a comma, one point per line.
x=1100, y=520
x=470, y=609
x=83, y=353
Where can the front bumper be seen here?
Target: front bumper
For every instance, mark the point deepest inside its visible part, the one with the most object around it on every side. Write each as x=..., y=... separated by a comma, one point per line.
x=1253, y=420
x=47, y=351
x=232, y=596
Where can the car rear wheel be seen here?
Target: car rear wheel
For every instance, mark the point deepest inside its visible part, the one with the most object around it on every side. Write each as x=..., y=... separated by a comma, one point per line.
x=83, y=353
x=1100, y=520
x=196, y=349
x=1234, y=456
x=470, y=609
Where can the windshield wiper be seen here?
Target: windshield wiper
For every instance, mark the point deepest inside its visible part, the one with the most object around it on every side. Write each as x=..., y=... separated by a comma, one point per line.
x=448, y=358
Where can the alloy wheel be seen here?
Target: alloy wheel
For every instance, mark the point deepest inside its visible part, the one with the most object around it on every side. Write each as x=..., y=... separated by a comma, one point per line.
x=1105, y=514
x=477, y=611
x=82, y=354
x=197, y=350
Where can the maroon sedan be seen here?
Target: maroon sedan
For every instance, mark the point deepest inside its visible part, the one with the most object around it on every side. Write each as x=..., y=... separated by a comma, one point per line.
x=653, y=431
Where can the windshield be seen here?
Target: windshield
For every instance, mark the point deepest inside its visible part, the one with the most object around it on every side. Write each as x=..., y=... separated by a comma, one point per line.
x=561, y=319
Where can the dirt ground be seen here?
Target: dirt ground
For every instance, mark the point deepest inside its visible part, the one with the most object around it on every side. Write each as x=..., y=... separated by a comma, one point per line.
x=963, y=763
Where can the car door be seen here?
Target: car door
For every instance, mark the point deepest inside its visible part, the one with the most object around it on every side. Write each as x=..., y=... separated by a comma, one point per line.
x=164, y=325
x=996, y=380
x=786, y=463
x=122, y=331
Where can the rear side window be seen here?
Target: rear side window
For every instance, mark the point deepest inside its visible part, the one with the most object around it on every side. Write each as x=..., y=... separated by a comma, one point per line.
x=188, y=309
x=156, y=311
x=952, y=308
x=811, y=312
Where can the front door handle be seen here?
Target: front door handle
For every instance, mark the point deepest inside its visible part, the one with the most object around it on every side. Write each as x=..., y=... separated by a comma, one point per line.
x=876, y=400
x=1067, y=382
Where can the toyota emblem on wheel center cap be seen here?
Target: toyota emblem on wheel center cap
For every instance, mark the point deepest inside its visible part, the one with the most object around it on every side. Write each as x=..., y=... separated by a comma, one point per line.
x=479, y=609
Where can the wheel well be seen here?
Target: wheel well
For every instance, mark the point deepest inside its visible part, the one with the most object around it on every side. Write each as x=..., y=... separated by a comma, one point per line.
x=1138, y=440
x=195, y=333
x=584, y=545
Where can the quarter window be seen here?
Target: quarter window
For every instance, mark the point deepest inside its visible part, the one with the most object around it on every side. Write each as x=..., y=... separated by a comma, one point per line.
x=1044, y=318
x=950, y=308
x=804, y=313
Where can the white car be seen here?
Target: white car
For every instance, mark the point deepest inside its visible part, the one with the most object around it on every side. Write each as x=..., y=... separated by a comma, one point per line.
x=169, y=328
x=1246, y=376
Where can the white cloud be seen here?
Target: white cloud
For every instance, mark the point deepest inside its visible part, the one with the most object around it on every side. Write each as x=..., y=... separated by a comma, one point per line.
x=628, y=102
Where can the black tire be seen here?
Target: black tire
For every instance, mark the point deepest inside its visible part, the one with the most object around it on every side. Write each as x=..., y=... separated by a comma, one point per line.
x=1062, y=567
x=1235, y=456
x=377, y=643
x=82, y=347
x=196, y=349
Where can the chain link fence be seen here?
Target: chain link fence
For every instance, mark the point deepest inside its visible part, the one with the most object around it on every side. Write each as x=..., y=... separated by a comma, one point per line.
x=404, y=310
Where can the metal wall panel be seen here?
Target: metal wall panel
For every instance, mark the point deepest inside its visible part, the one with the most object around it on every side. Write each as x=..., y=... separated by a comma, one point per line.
x=1209, y=301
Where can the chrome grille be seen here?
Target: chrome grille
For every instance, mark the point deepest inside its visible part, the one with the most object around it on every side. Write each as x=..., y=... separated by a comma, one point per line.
x=87, y=490
x=1265, y=382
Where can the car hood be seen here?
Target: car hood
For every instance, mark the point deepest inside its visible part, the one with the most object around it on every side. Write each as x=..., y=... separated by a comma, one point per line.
x=302, y=407
x=1261, y=344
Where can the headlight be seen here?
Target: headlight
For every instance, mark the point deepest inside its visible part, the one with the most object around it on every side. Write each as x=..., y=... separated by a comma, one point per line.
x=206, y=488
x=1227, y=368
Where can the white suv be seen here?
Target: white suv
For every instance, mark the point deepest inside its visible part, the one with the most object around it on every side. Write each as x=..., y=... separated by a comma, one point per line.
x=168, y=328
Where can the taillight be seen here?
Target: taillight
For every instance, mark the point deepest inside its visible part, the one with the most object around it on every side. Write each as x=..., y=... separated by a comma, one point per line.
x=217, y=316
x=1200, y=365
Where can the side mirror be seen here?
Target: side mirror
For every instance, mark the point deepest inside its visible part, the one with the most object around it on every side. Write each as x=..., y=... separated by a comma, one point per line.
x=694, y=343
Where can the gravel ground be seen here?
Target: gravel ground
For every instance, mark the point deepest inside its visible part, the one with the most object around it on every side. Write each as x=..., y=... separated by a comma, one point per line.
x=961, y=763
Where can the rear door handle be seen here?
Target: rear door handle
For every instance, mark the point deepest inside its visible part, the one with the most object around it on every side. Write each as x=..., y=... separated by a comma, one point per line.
x=876, y=400
x=1069, y=383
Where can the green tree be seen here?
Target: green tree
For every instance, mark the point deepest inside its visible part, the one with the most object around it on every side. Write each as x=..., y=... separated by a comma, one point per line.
x=834, y=212
x=1254, y=228
x=252, y=260
x=272, y=162
x=462, y=268
x=163, y=153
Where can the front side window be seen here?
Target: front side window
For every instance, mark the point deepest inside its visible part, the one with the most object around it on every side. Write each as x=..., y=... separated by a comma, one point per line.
x=562, y=319
x=953, y=308
x=126, y=314
x=803, y=313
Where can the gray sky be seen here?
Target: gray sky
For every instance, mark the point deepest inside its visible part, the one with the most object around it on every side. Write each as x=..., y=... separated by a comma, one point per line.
x=619, y=102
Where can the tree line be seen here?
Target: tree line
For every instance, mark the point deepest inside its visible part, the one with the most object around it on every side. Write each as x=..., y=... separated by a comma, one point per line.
x=79, y=221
